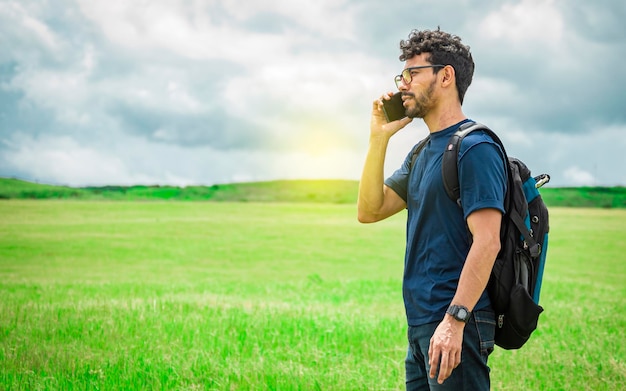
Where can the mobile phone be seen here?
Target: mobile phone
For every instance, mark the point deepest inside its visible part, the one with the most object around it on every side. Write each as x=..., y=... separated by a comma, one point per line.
x=393, y=108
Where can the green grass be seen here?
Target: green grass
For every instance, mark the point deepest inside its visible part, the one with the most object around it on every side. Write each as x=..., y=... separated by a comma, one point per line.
x=268, y=296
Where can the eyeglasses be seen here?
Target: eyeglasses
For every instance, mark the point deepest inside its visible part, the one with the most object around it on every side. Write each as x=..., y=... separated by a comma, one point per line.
x=406, y=76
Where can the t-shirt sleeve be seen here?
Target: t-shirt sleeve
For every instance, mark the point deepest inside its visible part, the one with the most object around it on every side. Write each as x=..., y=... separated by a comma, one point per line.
x=399, y=180
x=482, y=177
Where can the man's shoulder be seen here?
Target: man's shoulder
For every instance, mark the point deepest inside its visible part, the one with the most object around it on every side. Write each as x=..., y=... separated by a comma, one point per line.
x=475, y=138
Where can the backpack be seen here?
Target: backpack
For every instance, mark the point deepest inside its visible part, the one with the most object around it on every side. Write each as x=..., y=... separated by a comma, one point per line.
x=515, y=281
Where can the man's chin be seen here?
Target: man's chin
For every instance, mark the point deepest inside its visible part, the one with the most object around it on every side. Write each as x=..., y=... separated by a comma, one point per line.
x=413, y=114
x=412, y=111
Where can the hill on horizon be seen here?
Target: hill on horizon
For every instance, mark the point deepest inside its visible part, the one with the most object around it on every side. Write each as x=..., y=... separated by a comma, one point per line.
x=315, y=190
x=306, y=190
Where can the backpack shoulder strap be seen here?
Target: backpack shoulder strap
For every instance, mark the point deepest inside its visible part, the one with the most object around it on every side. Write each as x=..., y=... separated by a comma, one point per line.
x=416, y=151
x=449, y=168
x=449, y=164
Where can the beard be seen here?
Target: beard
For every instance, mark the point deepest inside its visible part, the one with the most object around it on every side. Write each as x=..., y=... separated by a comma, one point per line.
x=423, y=103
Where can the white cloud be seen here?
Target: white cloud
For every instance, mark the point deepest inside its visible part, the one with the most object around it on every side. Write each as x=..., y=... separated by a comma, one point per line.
x=201, y=30
x=528, y=21
x=57, y=89
x=62, y=160
x=593, y=158
x=491, y=94
x=14, y=13
x=41, y=31
x=337, y=15
x=326, y=87
x=578, y=177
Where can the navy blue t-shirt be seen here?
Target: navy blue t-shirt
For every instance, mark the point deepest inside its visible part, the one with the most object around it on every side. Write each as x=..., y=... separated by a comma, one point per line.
x=437, y=235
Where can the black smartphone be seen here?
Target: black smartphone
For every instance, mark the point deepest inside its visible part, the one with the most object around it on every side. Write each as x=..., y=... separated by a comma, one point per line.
x=393, y=108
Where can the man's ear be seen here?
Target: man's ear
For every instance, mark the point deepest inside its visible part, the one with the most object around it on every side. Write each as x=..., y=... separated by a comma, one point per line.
x=447, y=76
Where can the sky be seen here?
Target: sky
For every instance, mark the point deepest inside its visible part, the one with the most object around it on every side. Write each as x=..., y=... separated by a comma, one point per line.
x=156, y=92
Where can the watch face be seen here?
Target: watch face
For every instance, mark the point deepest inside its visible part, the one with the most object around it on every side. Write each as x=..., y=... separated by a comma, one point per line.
x=459, y=313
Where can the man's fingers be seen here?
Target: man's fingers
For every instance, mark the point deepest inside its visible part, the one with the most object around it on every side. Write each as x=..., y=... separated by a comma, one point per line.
x=405, y=121
x=378, y=103
x=434, y=356
x=446, y=366
x=442, y=362
x=444, y=351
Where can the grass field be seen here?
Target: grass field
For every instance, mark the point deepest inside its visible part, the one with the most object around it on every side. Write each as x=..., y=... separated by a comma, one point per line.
x=251, y=296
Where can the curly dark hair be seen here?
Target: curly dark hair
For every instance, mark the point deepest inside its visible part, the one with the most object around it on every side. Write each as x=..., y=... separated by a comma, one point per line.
x=444, y=48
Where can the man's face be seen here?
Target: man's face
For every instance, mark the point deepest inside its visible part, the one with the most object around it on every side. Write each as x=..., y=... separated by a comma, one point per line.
x=418, y=94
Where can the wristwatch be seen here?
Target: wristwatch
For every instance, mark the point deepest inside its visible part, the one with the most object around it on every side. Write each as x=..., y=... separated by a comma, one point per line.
x=459, y=312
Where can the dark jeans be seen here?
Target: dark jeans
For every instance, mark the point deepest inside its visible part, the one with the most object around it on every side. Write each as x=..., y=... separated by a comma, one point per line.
x=471, y=374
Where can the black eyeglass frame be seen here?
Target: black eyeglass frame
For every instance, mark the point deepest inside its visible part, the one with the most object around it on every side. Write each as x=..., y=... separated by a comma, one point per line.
x=401, y=79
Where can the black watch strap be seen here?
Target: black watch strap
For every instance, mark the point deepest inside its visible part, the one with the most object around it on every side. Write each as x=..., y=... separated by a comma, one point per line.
x=459, y=312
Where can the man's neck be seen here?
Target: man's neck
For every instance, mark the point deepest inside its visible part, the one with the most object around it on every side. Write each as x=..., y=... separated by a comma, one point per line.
x=444, y=117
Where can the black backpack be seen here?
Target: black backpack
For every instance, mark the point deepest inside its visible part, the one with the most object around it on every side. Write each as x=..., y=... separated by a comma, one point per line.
x=515, y=281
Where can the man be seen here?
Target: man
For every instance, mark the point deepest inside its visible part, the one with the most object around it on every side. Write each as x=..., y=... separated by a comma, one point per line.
x=450, y=321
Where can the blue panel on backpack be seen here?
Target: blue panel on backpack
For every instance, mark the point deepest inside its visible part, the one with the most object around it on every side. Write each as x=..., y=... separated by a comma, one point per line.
x=530, y=189
x=542, y=263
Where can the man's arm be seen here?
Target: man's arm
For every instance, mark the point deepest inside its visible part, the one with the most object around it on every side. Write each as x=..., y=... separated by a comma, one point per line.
x=446, y=343
x=376, y=200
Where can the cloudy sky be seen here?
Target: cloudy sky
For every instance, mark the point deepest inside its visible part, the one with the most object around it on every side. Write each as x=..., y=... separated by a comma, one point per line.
x=97, y=92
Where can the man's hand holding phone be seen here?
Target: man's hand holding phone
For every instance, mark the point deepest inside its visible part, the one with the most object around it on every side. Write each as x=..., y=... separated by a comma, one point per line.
x=393, y=107
x=389, y=115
